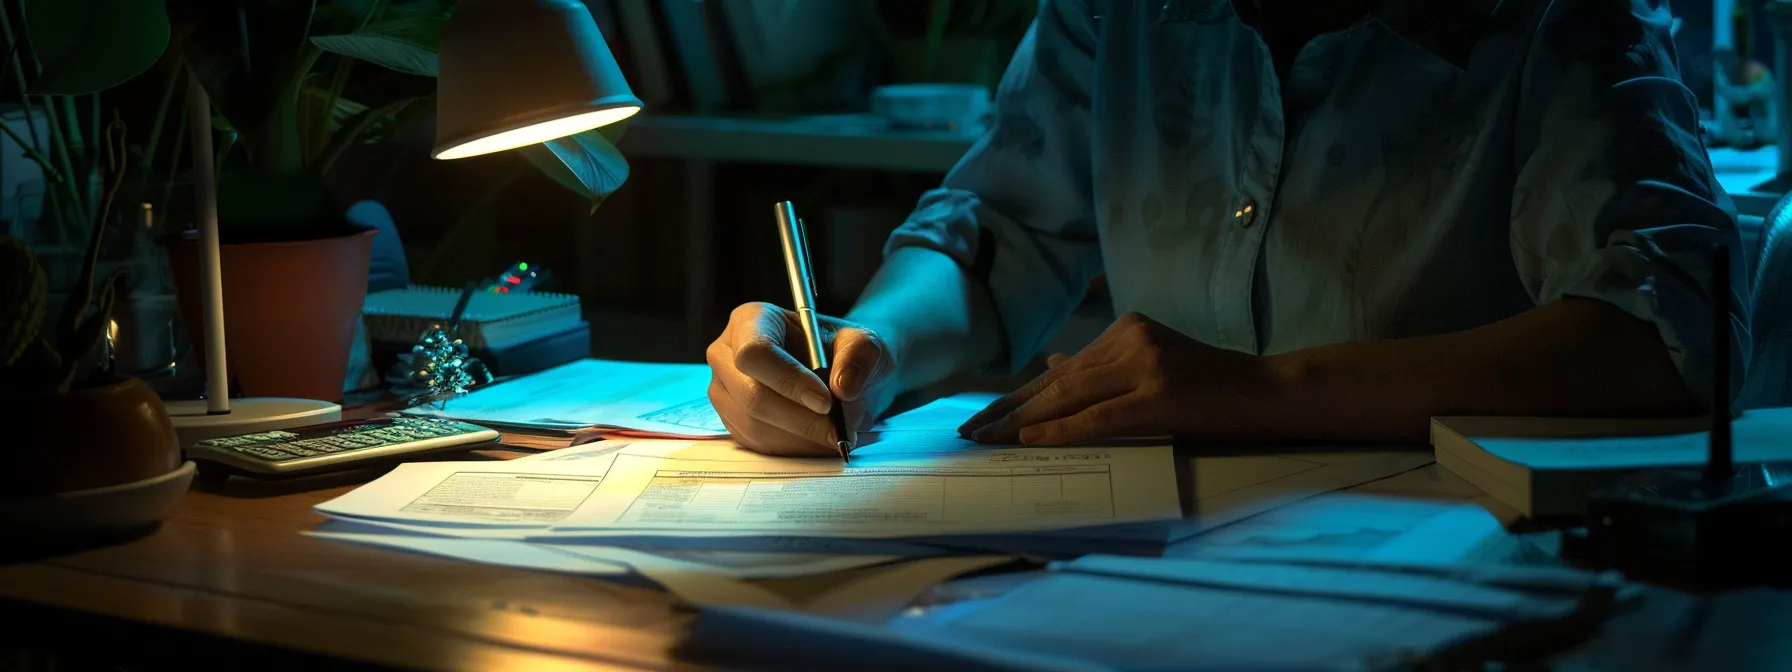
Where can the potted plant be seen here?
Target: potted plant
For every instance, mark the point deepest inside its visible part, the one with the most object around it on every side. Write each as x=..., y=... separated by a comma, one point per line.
x=294, y=270
x=80, y=426
x=83, y=436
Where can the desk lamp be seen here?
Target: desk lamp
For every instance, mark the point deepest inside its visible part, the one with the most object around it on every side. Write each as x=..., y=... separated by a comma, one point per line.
x=513, y=73
x=217, y=415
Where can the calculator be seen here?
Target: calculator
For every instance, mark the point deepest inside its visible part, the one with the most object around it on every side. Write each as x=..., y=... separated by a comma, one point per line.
x=336, y=446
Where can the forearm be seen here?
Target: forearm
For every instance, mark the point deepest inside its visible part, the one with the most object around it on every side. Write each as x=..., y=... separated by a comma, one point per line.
x=936, y=318
x=1575, y=357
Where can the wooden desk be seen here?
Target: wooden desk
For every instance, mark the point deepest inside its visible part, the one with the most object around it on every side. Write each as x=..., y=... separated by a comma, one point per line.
x=230, y=580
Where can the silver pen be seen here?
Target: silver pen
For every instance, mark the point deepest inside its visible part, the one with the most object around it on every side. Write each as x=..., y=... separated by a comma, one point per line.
x=802, y=290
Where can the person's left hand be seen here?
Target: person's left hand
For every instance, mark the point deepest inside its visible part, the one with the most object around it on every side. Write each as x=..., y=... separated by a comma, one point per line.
x=1138, y=379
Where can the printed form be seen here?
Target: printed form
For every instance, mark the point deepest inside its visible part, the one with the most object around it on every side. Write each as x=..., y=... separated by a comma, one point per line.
x=473, y=493
x=1000, y=489
x=535, y=491
x=707, y=489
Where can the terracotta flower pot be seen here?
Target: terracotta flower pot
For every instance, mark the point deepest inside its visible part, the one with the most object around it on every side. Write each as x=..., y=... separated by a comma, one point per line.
x=91, y=438
x=290, y=311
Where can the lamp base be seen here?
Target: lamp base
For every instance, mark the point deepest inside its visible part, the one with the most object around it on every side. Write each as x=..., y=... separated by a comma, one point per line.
x=247, y=416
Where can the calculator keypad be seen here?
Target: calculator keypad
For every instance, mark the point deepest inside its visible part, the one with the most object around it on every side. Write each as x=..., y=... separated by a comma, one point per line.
x=280, y=446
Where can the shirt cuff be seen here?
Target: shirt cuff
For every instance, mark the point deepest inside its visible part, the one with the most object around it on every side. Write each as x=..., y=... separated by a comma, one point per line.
x=1032, y=280
x=1670, y=290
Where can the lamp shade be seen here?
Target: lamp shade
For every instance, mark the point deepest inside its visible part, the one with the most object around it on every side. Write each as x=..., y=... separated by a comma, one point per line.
x=519, y=72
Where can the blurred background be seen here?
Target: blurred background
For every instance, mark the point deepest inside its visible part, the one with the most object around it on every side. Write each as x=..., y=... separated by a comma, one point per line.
x=749, y=102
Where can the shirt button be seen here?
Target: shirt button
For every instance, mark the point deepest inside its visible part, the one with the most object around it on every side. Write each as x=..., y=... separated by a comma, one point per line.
x=1245, y=215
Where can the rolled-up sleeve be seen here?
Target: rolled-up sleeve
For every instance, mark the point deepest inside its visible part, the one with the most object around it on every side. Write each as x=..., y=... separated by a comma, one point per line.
x=1017, y=212
x=1615, y=199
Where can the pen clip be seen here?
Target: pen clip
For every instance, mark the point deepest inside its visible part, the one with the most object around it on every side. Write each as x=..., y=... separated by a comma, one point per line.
x=802, y=242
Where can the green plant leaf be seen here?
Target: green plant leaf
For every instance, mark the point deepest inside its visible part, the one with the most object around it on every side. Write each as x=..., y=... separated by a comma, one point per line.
x=406, y=44
x=248, y=54
x=587, y=163
x=24, y=291
x=92, y=45
x=352, y=130
x=346, y=109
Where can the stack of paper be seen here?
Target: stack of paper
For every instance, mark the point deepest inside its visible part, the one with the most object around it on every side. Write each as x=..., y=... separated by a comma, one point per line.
x=1546, y=466
x=715, y=495
x=699, y=517
x=1109, y=613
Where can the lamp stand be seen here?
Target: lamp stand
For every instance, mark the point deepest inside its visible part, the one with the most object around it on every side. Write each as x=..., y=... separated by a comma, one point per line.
x=218, y=415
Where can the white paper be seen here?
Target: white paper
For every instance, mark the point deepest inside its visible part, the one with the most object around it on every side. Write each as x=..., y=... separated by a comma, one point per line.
x=1342, y=527
x=1433, y=590
x=1227, y=489
x=678, y=543
x=490, y=493
x=877, y=596
x=781, y=503
x=1143, y=613
x=995, y=490
x=1156, y=625
x=884, y=585
x=610, y=560
x=1760, y=435
x=605, y=450
x=486, y=551
x=641, y=396
x=737, y=635
x=533, y=491
x=872, y=596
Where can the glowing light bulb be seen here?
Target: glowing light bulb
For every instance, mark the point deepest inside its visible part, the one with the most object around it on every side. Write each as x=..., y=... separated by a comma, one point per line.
x=538, y=133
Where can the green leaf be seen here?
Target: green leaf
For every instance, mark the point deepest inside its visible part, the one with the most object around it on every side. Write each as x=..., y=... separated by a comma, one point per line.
x=586, y=163
x=93, y=45
x=406, y=44
x=24, y=292
x=221, y=124
x=353, y=128
x=248, y=54
x=346, y=109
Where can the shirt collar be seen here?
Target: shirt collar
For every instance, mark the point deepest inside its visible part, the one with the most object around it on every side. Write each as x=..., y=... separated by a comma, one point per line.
x=1449, y=29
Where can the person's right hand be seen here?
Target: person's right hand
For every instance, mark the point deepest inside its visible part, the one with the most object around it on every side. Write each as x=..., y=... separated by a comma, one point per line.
x=768, y=398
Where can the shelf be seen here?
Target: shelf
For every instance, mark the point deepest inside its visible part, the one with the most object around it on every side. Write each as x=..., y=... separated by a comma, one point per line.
x=860, y=141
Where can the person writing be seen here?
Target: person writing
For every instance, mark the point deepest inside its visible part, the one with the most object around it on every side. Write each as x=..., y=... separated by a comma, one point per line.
x=1322, y=222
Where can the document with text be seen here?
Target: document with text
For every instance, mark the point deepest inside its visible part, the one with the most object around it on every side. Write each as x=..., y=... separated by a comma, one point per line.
x=535, y=491
x=991, y=490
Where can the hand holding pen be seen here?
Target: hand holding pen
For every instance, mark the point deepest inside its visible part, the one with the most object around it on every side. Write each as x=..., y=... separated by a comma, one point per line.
x=767, y=392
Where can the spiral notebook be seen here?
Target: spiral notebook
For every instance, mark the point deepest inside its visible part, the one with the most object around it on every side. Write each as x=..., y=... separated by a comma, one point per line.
x=491, y=320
